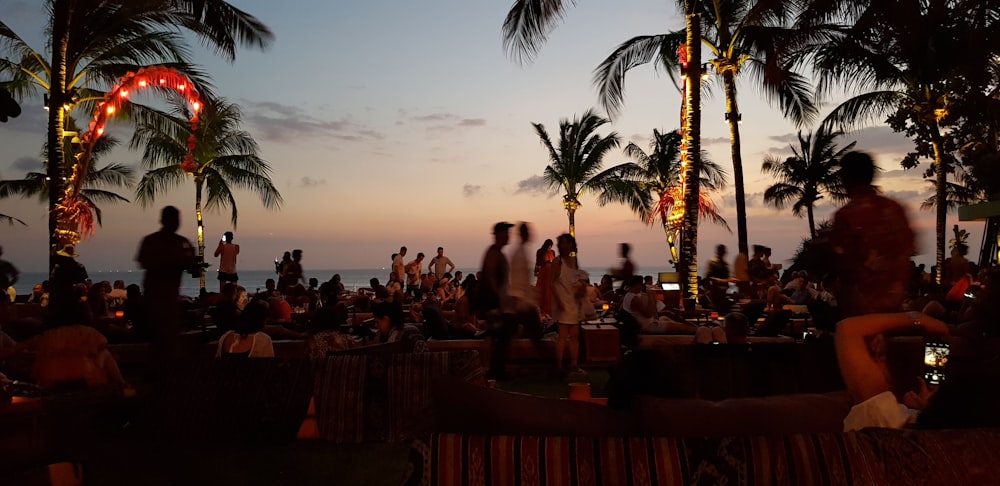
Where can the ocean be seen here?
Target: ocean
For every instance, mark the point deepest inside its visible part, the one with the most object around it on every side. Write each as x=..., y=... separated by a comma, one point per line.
x=353, y=279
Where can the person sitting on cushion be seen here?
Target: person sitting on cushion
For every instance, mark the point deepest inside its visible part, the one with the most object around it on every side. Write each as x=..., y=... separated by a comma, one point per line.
x=249, y=339
x=860, y=344
x=74, y=354
x=641, y=304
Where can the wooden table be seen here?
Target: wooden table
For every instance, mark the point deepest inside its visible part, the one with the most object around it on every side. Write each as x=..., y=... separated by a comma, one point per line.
x=601, y=341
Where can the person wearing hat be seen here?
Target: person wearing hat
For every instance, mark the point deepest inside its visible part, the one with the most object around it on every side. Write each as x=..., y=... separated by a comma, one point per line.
x=493, y=301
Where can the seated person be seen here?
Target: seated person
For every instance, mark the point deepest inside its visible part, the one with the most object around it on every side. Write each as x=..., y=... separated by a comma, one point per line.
x=710, y=335
x=641, y=304
x=279, y=310
x=860, y=344
x=226, y=313
x=737, y=326
x=249, y=339
x=74, y=355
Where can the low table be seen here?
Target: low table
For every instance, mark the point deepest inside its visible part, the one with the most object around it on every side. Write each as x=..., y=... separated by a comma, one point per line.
x=601, y=341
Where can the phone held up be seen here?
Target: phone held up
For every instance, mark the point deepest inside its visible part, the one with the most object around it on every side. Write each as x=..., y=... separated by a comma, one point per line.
x=935, y=360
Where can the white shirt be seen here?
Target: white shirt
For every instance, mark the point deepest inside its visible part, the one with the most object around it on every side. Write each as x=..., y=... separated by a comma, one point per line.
x=520, y=277
x=399, y=268
x=644, y=321
x=440, y=264
x=881, y=410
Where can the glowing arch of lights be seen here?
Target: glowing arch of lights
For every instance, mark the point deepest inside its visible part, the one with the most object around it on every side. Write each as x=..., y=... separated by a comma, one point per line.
x=76, y=220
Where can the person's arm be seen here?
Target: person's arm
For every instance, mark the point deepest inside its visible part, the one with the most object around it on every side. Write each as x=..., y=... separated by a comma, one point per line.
x=218, y=249
x=451, y=266
x=863, y=376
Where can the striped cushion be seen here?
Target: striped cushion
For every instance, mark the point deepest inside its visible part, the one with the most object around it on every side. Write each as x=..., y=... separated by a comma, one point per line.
x=383, y=398
x=871, y=457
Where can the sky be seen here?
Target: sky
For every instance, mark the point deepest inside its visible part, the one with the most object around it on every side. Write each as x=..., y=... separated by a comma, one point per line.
x=392, y=122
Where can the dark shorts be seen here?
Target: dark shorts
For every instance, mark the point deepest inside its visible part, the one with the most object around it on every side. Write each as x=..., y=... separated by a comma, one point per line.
x=229, y=277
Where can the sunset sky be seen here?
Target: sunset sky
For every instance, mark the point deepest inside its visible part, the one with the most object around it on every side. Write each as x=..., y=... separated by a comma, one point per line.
x=391, y=122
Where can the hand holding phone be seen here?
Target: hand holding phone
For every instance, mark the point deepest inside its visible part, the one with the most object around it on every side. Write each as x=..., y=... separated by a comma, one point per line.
x=935, y=361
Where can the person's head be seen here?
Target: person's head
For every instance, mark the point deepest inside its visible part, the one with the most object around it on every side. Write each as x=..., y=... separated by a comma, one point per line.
x=402, y=251
x=170, y=219
x=229, y=236
x=524, y=231
x=37, y=290
x=373, y=282
x=962, y=249
x=758, y=251
x=648, y=280
x=297, y=255
x=625, y=249
x=501, y=233
x=269, y=285
x=440, y=251
x=857, y=170
x=634, y=284
x=133, y=292
x=313, y=282
x=383, y=312
x=458, y=276
x=228, y=293
x=420, y=257
x=566, y=244
x=253, y=318
x=393, y=277
x=241, y=297
x=767, y=251
x=547, y=244
x=720, y=251
x=287, y=256
x=335, y=278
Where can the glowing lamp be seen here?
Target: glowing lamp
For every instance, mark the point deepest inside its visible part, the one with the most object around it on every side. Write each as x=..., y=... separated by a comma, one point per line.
x=142, y=83
x=196, y=106
x=119, y=314
x=123, y=93
x=181, y=87
x=111, y=110
x=163, y=81
x=100, y=131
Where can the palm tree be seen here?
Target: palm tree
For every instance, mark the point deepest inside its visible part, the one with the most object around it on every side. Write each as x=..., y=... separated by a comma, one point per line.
x=653, y=186
x=576, y=163
x=910, y=61
x=99, y=184
x=10, y=220
x=226, y=158
x=803, y=178
x=525, y=29
x=741, y=36
x=149, y=25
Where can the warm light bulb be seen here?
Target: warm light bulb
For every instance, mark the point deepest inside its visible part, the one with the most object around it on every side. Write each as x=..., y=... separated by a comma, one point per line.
x=100, y=131
x=111, y=110
x=163, y=81
x=181, y=87
x=196, y=106
x=123, y=93
x=142, y=83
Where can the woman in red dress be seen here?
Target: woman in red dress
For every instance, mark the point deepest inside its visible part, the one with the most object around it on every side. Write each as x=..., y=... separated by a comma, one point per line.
x=543, y=280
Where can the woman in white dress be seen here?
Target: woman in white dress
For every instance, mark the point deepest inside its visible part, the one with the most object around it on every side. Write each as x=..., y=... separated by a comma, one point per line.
x=569, y=292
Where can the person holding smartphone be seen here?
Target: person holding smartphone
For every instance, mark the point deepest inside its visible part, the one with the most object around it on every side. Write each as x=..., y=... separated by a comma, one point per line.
x=227, y=251
x=860, y=343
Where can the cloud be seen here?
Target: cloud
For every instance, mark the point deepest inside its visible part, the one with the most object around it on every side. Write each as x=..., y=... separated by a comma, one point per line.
x=311, y=182
x=786, y=138
x=25, y=164
x=879, y=140
x=470, y=190
x=535, y=185
x=285, y=123
x=441, y=122
x=715, y=141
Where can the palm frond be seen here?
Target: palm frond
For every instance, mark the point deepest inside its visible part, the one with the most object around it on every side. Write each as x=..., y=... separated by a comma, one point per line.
x=10, y=220
x=609, y=76
x=528, y=24
x=157, y=181
x=860, y=110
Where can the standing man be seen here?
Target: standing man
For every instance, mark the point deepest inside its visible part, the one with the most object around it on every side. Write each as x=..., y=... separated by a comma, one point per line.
x=493, y=301
x=165, y=255
x=522, y=293
x=872, y=243
x=8, y=276
x=440, y=264
x=627, y=269
x=398, y=267
x=227, y=264
x=413, y=270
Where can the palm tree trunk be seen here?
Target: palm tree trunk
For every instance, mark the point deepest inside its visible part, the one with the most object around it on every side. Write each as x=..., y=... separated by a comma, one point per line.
x=812, y=222
x=61, y=12
x=671, y=257
x=733, y=116
x=201, y=231
x=572, y=221
x=941, y=188
x=692, y=132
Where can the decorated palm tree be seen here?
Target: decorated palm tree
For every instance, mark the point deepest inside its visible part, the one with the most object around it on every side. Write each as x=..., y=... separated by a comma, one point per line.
x=100, y=185
x=576, y=163
x=140, y=32
x=741, y=37
x=225, y=159
x=653, y=185
x=804, y=178
x=910, y=63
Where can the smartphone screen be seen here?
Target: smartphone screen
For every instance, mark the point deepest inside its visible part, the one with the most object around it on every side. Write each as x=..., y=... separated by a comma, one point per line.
x=935, y=360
